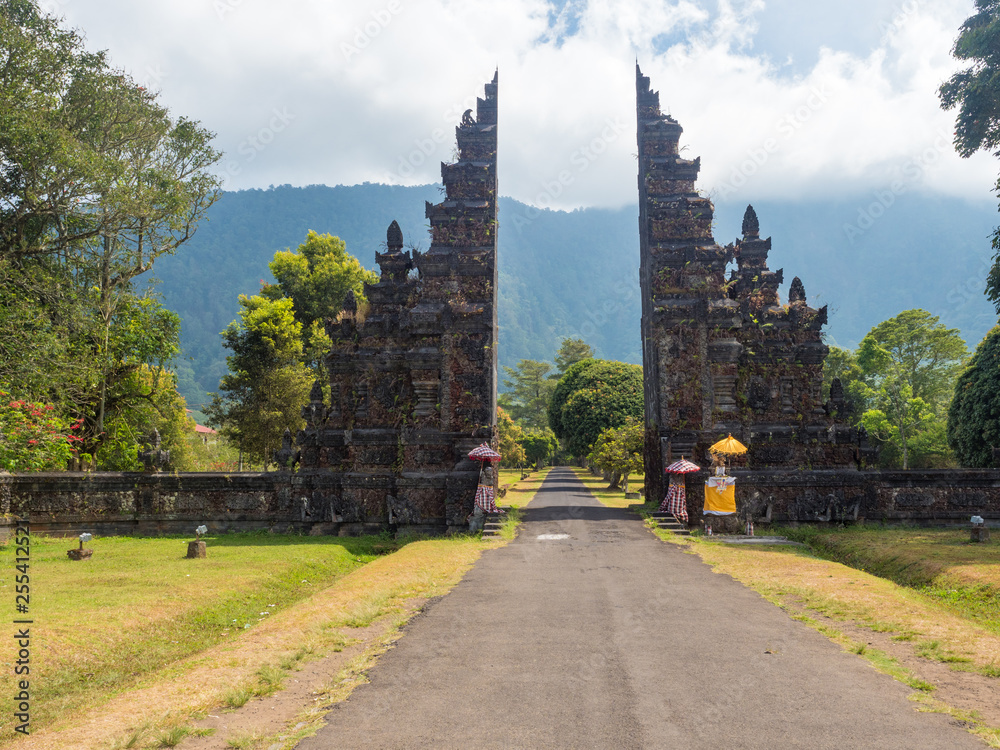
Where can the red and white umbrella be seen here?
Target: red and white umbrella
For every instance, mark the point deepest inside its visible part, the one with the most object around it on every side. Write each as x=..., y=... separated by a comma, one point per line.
x=484, y=453
x=682, y=467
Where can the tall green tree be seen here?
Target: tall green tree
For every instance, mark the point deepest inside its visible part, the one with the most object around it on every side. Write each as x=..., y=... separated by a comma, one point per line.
x=97, y=181
x=510, y=435
x=317, y=276
x=974, y=415
x=975, y=91
x=570, y=352
x=529, y=394
x=267, y=384
x=618, y=451
x=909, y=365
x=592, y=396
x=539, y=446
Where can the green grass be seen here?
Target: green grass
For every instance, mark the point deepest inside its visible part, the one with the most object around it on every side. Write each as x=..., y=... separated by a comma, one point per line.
x=173, y=737
x=238, y=697
x=245, y=740
x=509, y=522
x=939, y=563
x=139, y=605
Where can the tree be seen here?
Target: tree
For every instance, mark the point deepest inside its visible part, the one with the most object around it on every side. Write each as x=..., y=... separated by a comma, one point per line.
x=974, y=415
x=511, y=453
x=530, y=391
x=157, y=406
x=33, y=437
x=91, y=163
x=97, y=181
x=618, y=451
x=570, y=352
x=592, y=396
x=976, y=92
x=539, y=446
x=317, y=276
x=565, y=387
x=267, y=384
x=909, y=364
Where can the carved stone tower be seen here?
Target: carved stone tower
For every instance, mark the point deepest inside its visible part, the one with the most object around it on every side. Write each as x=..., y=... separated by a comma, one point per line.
x=721, y=356
x=413, y=374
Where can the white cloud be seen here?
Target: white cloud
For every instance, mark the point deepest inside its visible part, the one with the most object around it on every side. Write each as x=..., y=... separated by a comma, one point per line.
x=371, y=90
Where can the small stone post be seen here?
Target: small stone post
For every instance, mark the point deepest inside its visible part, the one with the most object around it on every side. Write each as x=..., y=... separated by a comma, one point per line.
x=197, y=548
x=81, y=553
x=980, y=531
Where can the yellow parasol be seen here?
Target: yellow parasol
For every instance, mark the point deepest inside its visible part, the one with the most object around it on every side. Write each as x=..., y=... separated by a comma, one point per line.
x=729, y=447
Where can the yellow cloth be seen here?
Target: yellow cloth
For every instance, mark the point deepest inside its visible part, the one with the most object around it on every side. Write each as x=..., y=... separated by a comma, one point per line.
x=720, y=496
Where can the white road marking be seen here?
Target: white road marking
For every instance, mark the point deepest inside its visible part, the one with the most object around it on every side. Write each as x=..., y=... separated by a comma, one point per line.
x=551, y=537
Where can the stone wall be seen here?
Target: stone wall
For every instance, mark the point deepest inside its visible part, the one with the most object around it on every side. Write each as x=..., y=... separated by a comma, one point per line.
x=108, y=504
x=151, y=504
x=931, y=497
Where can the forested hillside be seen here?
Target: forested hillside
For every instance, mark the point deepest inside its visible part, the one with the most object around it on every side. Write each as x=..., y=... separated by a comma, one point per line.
x=576, y=274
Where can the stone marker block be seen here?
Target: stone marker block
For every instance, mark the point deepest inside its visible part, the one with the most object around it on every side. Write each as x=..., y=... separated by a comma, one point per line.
x=980, y=534
x=197, y=549
x=80, y=554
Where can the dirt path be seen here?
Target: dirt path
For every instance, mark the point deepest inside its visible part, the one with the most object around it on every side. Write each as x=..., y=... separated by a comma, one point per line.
x=589, y=632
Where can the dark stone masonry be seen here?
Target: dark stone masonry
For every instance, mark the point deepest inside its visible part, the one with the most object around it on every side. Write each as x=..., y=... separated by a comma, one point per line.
x=413, y=377
x=723, y=356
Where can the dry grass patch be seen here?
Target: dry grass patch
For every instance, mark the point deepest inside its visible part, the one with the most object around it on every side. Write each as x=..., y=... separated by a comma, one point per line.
x=170, y=696
x=103, y=625
x=942, y=564
x=844, y=593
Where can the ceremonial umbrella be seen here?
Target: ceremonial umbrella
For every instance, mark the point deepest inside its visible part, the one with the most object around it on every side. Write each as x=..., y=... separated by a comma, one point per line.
x=682, y=467
x=730, y=447
x=484, y=453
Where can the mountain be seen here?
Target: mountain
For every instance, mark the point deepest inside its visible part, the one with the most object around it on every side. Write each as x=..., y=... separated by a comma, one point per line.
x=576, y=273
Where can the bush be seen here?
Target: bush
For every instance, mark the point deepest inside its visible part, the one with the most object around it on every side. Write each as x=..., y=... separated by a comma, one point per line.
x=33, y=437
x=974, y=414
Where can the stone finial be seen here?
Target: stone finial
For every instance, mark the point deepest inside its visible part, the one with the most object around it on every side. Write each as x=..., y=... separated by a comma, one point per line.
x=350, y=302
x=796, y=292
x=154, y=458
x=467, y=120
x=286, y=455
x=394, y=237
x=751, y=226
x=316, y=394
x=837, y=391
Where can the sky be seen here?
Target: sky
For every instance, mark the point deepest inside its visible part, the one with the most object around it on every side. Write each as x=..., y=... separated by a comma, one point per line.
x=781, y=99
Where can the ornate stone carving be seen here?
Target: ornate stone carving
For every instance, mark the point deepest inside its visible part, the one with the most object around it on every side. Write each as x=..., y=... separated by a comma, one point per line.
x=154, y=458
x=427, y=397
x=751, y=225
x=797, y=291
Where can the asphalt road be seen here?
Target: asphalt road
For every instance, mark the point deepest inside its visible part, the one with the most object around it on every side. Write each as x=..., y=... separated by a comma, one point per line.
x=588, y=632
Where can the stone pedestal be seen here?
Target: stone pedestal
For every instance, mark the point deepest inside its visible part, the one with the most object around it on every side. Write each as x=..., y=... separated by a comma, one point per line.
x=197, y=549
x=980, y=534
x=477, y=520
x=80, y=554
x=723, y=524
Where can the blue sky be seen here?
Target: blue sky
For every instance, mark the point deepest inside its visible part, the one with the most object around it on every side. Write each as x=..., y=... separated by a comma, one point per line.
x=781, y=99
